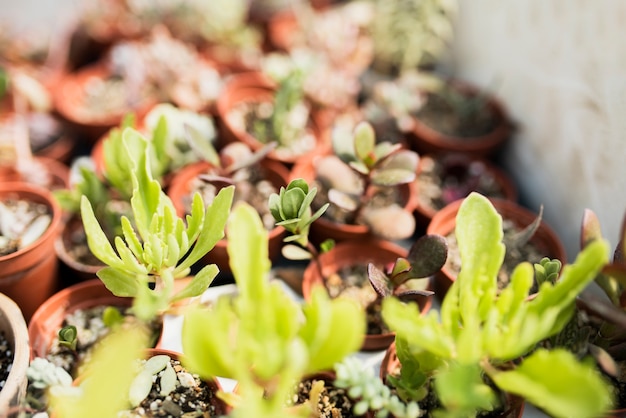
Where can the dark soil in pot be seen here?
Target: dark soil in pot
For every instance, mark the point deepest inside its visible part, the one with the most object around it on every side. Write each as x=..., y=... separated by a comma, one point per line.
x=6, y=358
x=468, y=119
x=333, y=402
x=187, y=395
x=442, y=180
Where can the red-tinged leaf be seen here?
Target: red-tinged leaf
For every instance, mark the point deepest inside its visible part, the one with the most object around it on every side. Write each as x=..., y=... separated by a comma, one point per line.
x=379, y=281
x=590, y=228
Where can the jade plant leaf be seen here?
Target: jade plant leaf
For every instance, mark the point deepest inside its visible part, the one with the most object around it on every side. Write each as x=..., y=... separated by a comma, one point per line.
x=392, y=176
x=554, y=391
x=427, y=255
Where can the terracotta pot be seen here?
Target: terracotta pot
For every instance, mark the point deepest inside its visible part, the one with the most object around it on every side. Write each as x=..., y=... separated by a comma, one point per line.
x=29, y=276
x=352, y=253
x=391, y=364
x=13, y=325
x=69, y=101
x=492, y=177
x=443, y=223
x=324, y=228
x=48, y=319
x=59, y=174
x=62, y=245
x=255, y=87
x=428, y=140
x=180, y=189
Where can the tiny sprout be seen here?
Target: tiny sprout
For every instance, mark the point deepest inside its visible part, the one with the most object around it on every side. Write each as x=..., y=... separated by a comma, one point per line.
x=547, y=270
x=112, y=317
x=68, y=337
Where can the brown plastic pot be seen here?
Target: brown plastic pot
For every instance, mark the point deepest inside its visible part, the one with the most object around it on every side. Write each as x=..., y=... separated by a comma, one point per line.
x=255, y=87
x=47, y=320
x=29, y=276
x=59, y=173
x=69, y=96
x=351, y=253
x=444, y=222
x=13, y=325
x=180, y=189
x=463, y=162
x=324, y=228
x=391, y=364
x=428, y=140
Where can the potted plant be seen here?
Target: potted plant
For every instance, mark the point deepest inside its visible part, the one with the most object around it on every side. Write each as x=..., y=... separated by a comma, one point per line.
x=151, y=253
x=255, y=178
x=261, y=337
x=597, y=330
x=527, y=236
x=482, y=345
x=367, y=184
x=443, y=179
x=366, y=270
x=30, y=223
x=270, y=106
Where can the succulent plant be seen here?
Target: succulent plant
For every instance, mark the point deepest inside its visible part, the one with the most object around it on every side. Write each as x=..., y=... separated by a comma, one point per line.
x=381, y=166
x=426, y=256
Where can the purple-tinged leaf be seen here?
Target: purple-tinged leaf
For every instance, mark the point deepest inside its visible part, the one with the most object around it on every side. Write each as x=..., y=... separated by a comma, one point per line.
x=428, y=255
x=590, y=229
x=379, y=281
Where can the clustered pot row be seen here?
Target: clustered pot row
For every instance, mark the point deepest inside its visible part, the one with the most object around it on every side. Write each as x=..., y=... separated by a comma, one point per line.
x=198, y=153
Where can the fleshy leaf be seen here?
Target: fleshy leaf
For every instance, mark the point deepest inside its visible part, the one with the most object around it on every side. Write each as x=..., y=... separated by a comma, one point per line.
x=428, y=255
x=554, y=392
x=199, y=283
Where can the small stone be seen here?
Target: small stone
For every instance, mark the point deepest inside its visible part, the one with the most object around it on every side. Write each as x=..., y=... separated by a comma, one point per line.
x=186, y=379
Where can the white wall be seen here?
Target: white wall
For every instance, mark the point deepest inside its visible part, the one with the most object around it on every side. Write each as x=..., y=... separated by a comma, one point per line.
x=560, y=67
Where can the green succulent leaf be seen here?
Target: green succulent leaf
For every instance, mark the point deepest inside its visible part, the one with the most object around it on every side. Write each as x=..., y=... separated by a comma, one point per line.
x=462, y=391
x=326, y=319
x=364, y=143
x=97, y=240
x=119, y=282
x=212, y=228
x=199, y=283
x=554, y=392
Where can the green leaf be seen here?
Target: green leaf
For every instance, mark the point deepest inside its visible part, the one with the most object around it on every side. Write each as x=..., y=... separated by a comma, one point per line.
x=131, y=238
x=198, y=284
x=98, y=242
x=131, y=264
x=291, y=202
x=119, y=282
x=326, y=319
x=387, y=177
x=212, y=228
x=558, y=383
x=479, y=237
x=112, y=317
x=248, y=251
x=364, y=141
x=461, y=390
x=206, y=352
